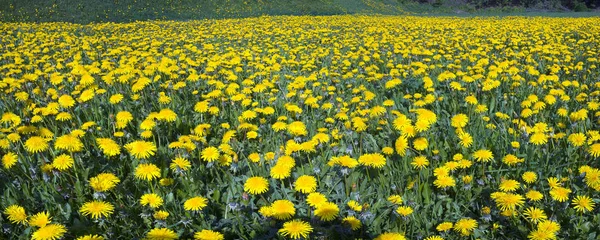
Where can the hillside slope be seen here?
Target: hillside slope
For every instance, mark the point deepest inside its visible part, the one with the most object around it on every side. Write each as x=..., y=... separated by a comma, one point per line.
x=82, y=11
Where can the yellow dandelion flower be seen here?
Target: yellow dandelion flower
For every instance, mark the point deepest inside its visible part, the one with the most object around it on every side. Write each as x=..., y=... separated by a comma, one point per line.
x=483, y=155
x=465, y=226
x=404, y=210
x=63, y=162
x=390, y=236
x=49, y=232
x=534, y=214
x=529, y=177
x=583, y=203
x=161, y=234
x=420, y=144
x=161, y=215
x=104, y=182
x=208, y=235
x=147, y=171
x=327, y=211
x=353, y=222
x=40, y=219
x=560, y=194
x=151, y=199
x=315, y=199
x=420, y=162
x=36, y=144
x=283, y=209
x=445, y=226
x=210, y=154
x=97, y=209
x=16, y=214
x=180, y=163
x=256, y=185
x=141, y=149
x=9, y=159
x=296, y=229
x=91, y=237
x=305, y=184
x=195, y=204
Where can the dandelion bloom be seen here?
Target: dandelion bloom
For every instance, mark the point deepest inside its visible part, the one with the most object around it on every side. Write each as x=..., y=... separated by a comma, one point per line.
x=283, y=209
x=512, y=160
x=9, y=159
x=210, y=154
x=122, y=119
x=161, y=215
x=577, y=139
x=444, y=182
x=161, y=234
x=256, y=185
x=36, y=144
x=404, y=210
x=594, y=150
x=68, y=143
x=104, y=182
x=354, y=205
x=49, y=232
x=395, y=199
x=97, y=209
x=483, y=155
x=509, y=185
x=465, y=226
x=305, y=184
x=147, y=171
x=40, y=219
x=375, y=160
x=141, y=149
x=434, y=238
x=327, y=211
x=208, y=235
x=108, y=146
x=180, y=163
x=297, y=128
x=401, y=144
x=538, y=138
x=534, y=214
x=508, y=201
x=91, y=237
x=16, y=214
x=560, y=194
x=459, y=120
x=315, y=199
x=583, y=204
x=390, y=236
x=534, y=195
x=296, y=229
x=353, y=222
x=420, y=144
x=280, y=171
x=466, y=140
x=166, y=115
x=445, y=226
x=420, y=162
x=529, y=177
x=151, y=199
x=63, y=162
x=195, y=203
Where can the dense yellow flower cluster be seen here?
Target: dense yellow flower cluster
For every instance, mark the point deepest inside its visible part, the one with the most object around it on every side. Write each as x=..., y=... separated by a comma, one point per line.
x=350, y=126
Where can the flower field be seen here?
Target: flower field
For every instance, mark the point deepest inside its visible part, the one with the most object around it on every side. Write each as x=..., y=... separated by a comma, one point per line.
x=368, y=127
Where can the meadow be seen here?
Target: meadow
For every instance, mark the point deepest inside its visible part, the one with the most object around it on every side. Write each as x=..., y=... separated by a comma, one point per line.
x=362, y=127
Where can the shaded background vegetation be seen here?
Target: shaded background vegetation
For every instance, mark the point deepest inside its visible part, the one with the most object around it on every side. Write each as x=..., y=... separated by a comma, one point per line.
x=84, y=11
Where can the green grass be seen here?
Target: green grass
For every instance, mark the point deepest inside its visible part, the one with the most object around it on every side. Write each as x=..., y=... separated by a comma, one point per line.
x=87, y=11
x=79, y=11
